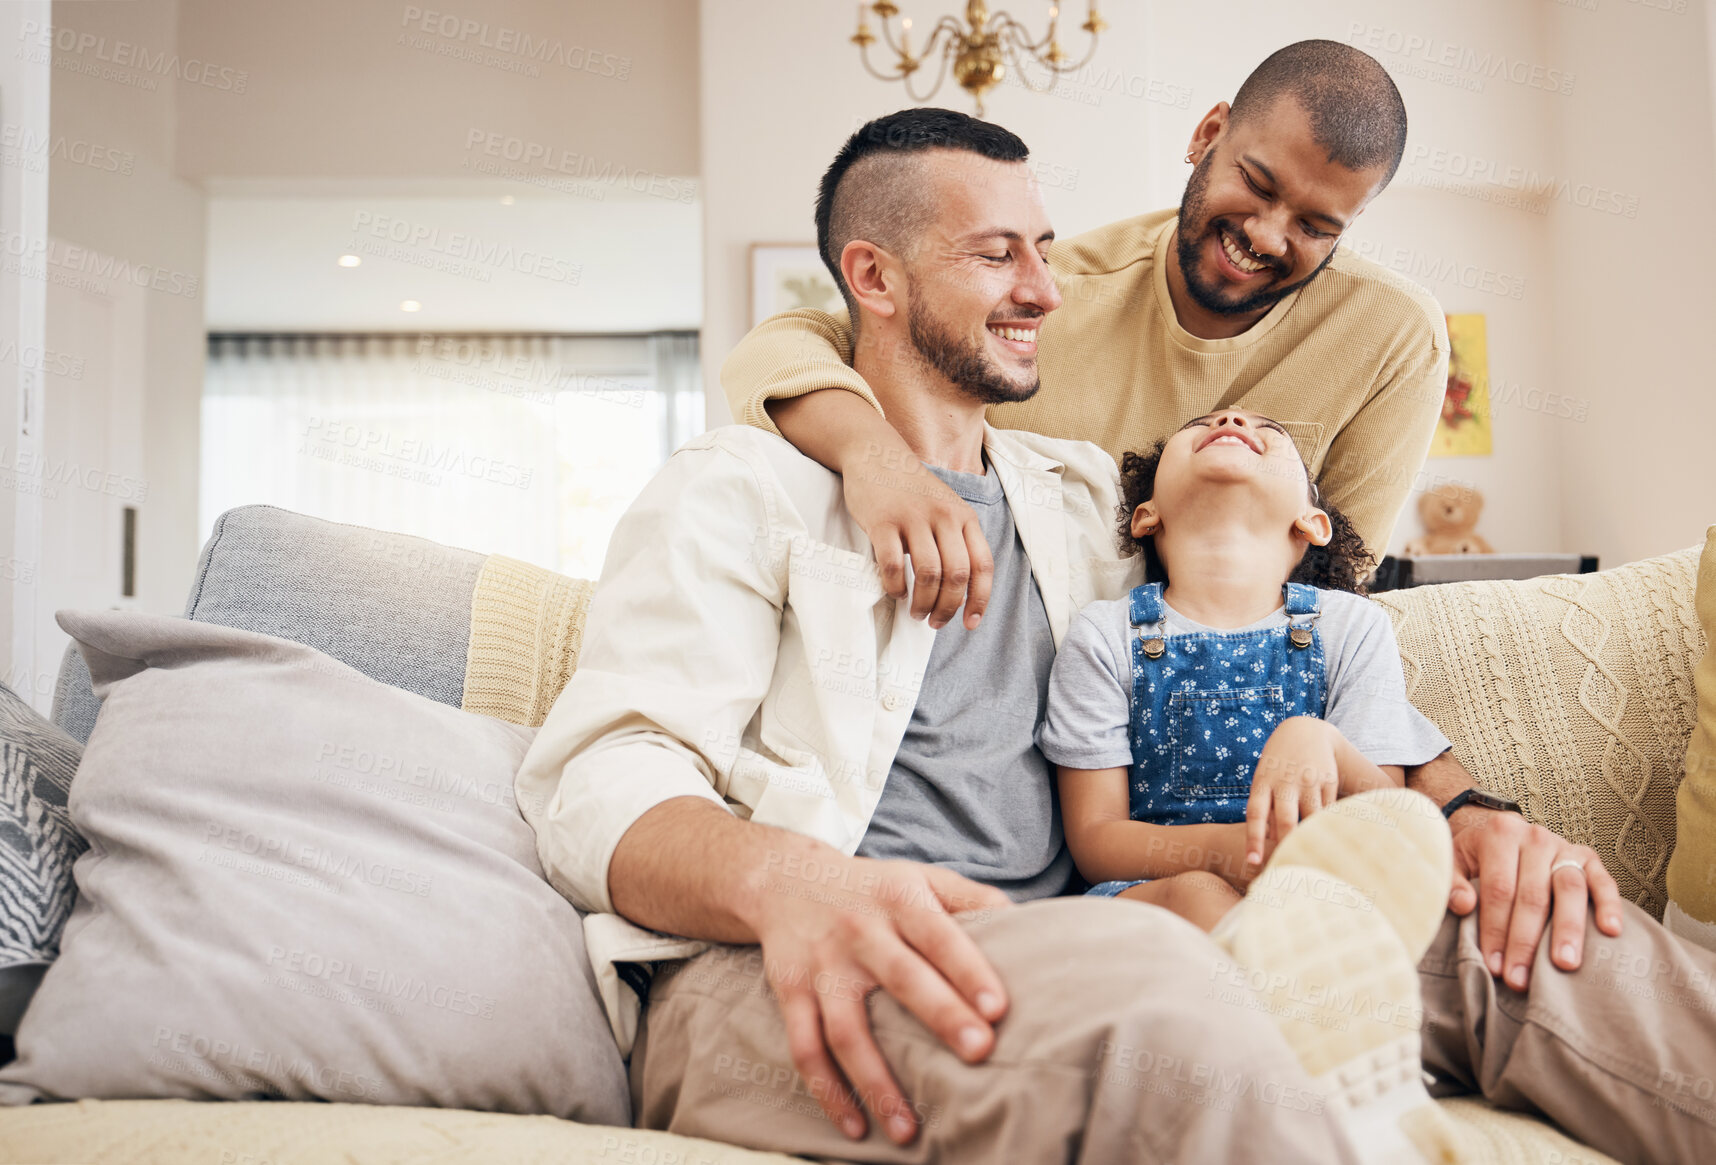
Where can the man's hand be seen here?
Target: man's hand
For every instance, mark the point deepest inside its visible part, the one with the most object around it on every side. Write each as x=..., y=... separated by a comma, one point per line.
x=1527, y=876
x=903, y=507
x=907, y=510
x=854, y=925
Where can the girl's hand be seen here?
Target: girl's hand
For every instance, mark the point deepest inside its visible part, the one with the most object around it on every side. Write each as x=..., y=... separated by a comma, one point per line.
x=1297, y=775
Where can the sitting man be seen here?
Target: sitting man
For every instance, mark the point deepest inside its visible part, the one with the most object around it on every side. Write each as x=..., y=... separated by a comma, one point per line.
x=1240, y=299
x=760, y=750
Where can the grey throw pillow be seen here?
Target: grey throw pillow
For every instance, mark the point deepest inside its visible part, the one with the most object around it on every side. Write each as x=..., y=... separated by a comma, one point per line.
x=37, y=848
x=309, y=885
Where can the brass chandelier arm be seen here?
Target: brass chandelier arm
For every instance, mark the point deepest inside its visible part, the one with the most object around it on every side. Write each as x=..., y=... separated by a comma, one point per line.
x=978, y=55
x=1003, y=22
x=1019, y=49
x=864, y=56
x=940, y=74
x=947, y=26
x=1082, y=61
x=906, y=64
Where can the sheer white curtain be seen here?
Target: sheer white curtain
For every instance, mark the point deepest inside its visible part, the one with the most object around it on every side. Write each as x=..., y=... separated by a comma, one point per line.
x=529, y=446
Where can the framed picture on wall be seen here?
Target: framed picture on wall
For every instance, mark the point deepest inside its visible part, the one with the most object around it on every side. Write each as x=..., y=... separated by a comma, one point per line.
x=1464, y=430
x=787, y=276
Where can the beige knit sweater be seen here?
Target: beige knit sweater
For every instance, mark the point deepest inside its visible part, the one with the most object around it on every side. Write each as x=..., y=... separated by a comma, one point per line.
x=1354, y=366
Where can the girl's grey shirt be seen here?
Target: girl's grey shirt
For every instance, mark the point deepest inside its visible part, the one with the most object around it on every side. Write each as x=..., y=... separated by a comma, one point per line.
x=1090, y=689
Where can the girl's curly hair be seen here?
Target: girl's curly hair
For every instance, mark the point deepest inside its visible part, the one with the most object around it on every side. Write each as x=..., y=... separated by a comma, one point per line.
x=1342, y=565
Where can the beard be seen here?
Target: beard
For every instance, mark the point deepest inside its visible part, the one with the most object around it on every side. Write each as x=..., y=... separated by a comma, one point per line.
x=962, y=360
x=1194, y=227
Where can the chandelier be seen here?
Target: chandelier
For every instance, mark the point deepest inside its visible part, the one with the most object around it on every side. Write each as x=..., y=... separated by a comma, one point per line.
x=980, y=53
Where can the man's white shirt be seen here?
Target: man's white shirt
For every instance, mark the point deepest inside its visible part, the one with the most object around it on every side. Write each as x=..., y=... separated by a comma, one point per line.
x=739, y=647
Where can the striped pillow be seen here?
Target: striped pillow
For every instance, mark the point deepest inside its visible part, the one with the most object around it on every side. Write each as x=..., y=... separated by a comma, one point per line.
x=37, y=848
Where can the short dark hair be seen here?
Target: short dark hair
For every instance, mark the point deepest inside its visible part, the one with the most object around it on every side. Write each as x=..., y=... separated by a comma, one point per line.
x=1355, y=110
x=884, y=203
x=1343, y=565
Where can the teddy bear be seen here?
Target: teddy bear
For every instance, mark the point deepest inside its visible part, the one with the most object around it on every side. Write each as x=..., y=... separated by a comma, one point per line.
x=1450, y=516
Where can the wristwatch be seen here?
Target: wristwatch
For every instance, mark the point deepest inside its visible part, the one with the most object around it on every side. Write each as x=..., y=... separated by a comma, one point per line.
x=1482, y=800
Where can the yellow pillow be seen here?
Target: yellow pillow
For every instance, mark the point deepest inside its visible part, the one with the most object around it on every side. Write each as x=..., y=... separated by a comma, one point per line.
x=1692, y=871
x=527, y=627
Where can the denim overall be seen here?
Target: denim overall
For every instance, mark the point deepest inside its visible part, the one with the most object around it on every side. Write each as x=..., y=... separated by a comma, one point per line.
x=1204, y=703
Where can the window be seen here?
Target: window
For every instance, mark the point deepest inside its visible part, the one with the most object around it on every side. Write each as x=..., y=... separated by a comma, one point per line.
x=529, y=446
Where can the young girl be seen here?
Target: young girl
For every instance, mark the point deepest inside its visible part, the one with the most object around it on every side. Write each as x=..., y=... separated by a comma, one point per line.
x=1250, y=684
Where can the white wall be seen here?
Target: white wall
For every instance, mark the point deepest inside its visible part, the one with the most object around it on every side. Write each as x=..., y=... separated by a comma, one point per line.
x=1635, y=300
x=539, y=261
x=24, y=114
x=368, y=89
x=782, y=88
x=128, y=304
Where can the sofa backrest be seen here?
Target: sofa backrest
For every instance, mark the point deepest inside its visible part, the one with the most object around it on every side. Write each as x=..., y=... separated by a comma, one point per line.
x=1571, y=694
x=396, y=608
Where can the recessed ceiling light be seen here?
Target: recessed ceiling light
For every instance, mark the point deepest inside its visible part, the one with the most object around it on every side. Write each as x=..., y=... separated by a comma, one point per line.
x=507, y=200
x=350, y=260
x=410, y=305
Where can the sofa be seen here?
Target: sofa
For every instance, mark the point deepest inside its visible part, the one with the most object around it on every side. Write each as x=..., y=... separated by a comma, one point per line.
x=1572, y=694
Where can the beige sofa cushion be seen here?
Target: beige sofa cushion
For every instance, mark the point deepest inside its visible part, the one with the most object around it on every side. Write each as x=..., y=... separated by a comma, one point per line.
x=1572, y=694
x=171, y=1132
x=174, y=1132
x=1492, y=1136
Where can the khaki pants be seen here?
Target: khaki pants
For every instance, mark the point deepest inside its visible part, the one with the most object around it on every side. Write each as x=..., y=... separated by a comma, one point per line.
x=1621, y=1053
x=1132, y=1038
x=1114, y=1050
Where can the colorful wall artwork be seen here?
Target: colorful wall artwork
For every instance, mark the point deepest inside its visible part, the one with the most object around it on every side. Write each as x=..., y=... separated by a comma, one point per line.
x=1464, y=430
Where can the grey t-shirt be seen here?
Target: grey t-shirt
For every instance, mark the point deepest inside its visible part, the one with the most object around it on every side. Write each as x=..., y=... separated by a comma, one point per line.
x=1090, y=692
x=969, y=789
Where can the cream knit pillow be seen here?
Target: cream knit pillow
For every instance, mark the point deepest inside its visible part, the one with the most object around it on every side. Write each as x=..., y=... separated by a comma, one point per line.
x=1572, y=694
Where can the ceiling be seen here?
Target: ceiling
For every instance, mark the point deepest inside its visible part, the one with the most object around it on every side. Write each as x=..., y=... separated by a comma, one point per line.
x=586, y=258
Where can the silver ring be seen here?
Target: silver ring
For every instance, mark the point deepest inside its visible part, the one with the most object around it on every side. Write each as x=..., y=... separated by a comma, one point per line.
x=1564, y=863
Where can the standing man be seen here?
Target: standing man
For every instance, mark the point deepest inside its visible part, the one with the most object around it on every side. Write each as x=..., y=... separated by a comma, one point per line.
x=1240, y=299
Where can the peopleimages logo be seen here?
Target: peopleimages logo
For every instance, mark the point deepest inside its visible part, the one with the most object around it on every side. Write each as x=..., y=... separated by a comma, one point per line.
x=1433, y=163
x=1478, y=64
x=34, y=258
x=512, y=41
x=125, y=55
x=34, y=472
x=366, y=448
x=22, y=146
x=487, y=151
x=465, y=248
